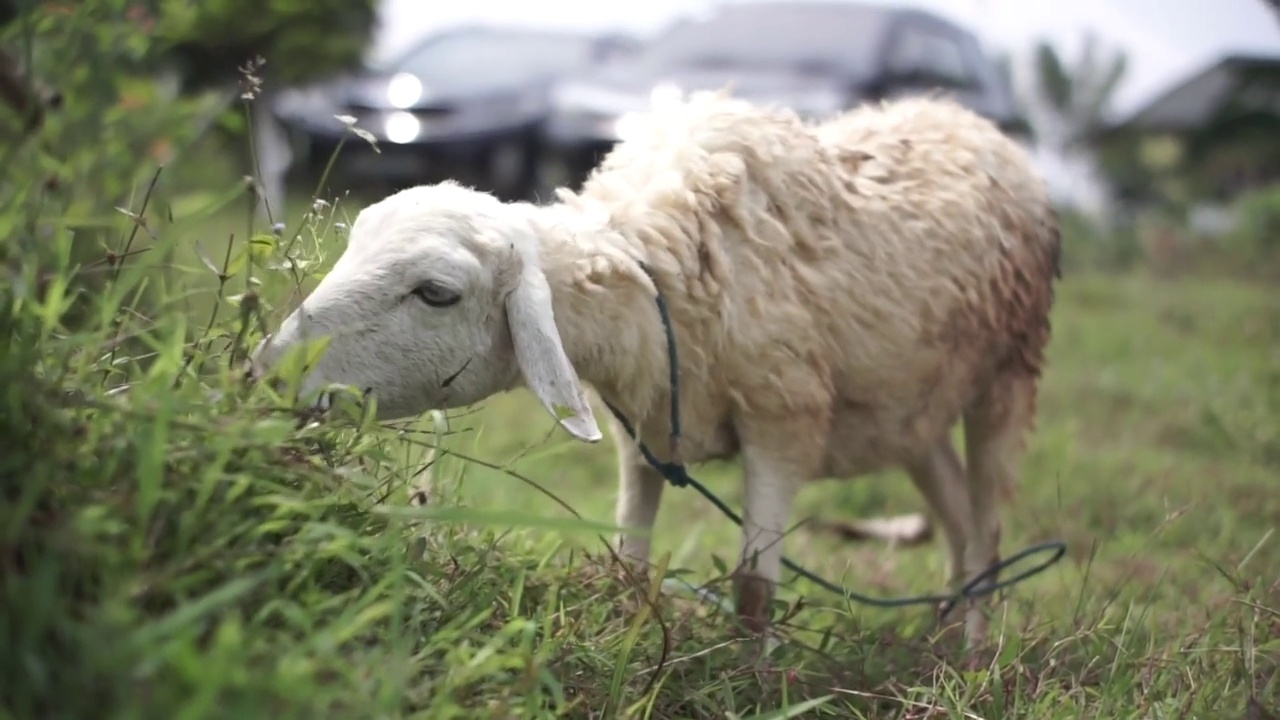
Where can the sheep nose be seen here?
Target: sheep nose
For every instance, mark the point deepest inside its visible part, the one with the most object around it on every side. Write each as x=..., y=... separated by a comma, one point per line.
x=255, y=373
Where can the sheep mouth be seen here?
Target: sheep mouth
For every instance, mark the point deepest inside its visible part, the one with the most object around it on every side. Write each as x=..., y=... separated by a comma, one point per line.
x=449, y=380
x=326, y=398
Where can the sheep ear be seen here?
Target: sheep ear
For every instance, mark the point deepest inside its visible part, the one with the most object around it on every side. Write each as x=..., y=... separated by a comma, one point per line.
x=540, y=354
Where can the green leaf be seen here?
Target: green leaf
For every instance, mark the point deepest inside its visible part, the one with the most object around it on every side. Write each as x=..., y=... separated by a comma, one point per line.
x=262, y=246
x=315, y=349
x=190, y=613
x=205, y=259
x=201, y=204
x=498, y=518
x=1055, y=83
x=239, y=262
x=793, y=711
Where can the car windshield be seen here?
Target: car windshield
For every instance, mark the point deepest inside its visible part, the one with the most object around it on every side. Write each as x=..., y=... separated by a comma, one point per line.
x=820, y=37
x=494, y=58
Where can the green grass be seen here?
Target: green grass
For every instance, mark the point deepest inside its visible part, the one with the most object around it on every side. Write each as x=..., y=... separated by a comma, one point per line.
x=171, y=553
x=1156, y=460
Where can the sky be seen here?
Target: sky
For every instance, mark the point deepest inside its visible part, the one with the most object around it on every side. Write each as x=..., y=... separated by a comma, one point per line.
x=1166, y=40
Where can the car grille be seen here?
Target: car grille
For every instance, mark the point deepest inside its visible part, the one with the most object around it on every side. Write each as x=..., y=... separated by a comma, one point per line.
x=368, y=112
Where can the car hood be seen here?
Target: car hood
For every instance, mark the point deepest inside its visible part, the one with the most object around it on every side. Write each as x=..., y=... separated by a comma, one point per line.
x=803, y=91
x=460, y=106
x=370, y=90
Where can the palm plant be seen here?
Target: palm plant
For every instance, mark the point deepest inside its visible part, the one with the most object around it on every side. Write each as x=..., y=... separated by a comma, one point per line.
x=1070, y=102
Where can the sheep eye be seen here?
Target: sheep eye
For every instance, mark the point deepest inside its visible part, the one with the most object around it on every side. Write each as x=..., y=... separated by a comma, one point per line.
x=436, y=295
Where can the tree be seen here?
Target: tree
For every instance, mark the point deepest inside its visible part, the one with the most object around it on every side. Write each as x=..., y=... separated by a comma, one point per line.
x=1003, y=62
x=209, y=44
x=22, y=93
x=1067, y=105
x=300, y=40
x=1075, y=99
x=272, y=44
x=1274, y=6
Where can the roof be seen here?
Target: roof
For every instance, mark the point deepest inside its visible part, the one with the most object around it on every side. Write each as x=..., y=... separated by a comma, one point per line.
x=841, y=12
x=852, y=21
x=847, y=33
x=1252, y=81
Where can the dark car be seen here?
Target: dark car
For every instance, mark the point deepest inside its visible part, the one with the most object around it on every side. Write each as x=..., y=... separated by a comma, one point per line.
x=464, y=104
x=817, y=58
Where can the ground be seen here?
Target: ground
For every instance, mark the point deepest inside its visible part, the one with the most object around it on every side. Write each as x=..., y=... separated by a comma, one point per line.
x=1155, y=459
x=178, y=543
x=226, y=561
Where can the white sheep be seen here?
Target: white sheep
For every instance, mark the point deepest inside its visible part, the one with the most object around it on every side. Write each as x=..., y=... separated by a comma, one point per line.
x=842, y=295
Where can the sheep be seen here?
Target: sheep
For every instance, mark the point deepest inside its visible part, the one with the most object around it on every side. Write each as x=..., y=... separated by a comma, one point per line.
x=842, y=295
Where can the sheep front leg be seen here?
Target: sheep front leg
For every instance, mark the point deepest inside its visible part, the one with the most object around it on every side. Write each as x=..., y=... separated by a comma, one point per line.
x=769, y=497
x=639, y=496
x=776, y=463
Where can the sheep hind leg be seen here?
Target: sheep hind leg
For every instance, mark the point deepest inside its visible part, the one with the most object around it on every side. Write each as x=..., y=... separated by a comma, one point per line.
x=995, y=427
x=940, y=477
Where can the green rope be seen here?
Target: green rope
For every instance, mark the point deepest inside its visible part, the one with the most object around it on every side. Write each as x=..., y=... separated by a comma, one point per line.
x=676, y=474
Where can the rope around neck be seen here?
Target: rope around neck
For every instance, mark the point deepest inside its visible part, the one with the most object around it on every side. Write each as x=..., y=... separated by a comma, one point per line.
x=675, y=472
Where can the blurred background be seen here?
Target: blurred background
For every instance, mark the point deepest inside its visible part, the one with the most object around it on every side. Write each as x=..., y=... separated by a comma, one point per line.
x=1079, y=80
x=1133, y=108
x=195, y=164
x=1153, y=120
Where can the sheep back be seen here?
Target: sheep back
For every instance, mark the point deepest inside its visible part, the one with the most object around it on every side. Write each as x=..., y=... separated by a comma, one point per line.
x=874, y=270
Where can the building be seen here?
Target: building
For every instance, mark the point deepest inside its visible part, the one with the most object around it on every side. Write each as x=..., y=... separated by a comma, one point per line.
x=1209, y=138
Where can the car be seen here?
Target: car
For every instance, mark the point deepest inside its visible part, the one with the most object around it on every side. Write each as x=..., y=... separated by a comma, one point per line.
x=464, y=103
x=816, y=57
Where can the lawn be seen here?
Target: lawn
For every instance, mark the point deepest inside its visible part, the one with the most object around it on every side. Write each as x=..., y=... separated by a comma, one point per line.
x=206, y=556
x=1156, y=460
x=178, y=544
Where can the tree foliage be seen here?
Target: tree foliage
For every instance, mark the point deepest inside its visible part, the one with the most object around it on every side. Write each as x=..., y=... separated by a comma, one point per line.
x=1273, y=6
x=301, y=40
x=207, y=41
x=1079, y=94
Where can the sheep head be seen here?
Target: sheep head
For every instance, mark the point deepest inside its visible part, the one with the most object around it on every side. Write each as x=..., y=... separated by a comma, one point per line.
x=438, y=301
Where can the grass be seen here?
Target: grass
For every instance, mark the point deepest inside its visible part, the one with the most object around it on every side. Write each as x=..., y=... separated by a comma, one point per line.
x=192, y=547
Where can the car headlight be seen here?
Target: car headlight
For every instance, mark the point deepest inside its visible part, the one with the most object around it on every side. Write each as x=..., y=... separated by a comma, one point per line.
x=403, y=90
x=576, y=97
x=402, y=127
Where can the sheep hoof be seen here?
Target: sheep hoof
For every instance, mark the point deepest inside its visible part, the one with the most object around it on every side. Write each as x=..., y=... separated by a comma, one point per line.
x=632, y=576
x=947, y=616
x=949, y=629
x=754, y=596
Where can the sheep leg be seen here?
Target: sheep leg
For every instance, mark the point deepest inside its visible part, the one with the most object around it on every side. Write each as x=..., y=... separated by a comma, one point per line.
x=995, y=428
x=639, y=496
x=767, y=507
x=939, y=476
x=776, y=462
